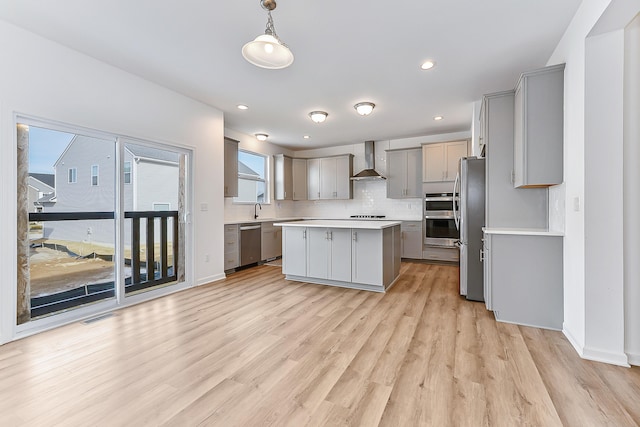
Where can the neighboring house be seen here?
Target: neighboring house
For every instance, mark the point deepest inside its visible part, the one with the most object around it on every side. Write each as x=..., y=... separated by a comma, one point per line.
x=85, y=182
x=41, y=191
x=248, y=184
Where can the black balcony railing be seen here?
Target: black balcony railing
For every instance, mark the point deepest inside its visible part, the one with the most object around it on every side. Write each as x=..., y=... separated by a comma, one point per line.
x=145, y=273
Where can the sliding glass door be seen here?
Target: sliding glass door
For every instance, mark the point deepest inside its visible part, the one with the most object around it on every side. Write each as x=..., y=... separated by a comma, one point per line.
x=100, y=219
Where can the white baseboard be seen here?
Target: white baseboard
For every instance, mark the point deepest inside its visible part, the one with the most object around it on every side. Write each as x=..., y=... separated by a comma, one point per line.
x=634, y=359
x=214, y=278
x=572, y=339
x=620, y=359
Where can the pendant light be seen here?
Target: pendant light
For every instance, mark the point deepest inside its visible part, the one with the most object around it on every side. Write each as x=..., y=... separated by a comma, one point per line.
x=267, y=50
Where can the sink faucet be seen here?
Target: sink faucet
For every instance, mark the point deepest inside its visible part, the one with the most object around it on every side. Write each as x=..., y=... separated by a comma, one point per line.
x=255, y=210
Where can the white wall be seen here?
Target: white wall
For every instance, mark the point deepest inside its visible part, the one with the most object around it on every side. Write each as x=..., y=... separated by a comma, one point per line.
x=603, y=148
x=601, y=293
x=43, y=79
x=632, y=191
x=571, y=50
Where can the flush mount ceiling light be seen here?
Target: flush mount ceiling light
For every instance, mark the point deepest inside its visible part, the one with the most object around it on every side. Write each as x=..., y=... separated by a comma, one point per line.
x=262, y=136
x=318, y=116
x=267, y=50
x=427, y=65
x=306, y=137
x=364, y=108
x=242, y=107
x=438, y=118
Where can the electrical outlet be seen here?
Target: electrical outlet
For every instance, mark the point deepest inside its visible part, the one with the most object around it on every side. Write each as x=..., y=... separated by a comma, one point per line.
x=206, y=258
x=576, y=204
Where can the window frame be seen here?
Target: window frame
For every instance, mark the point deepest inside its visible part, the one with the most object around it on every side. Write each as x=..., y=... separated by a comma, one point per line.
x=127, y=174
x=96, y=176
x=72, y=175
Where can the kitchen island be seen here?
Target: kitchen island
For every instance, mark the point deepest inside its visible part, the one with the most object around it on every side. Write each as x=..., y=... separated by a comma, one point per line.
x=353, y=254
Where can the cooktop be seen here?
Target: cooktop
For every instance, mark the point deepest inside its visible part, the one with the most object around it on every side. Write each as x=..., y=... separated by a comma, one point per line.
x=368, y=216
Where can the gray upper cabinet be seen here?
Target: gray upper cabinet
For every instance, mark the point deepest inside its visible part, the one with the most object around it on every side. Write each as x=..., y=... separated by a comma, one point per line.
x=538, y=127
x=506, y=206
x=230, y=167
x=404, y=173
x=440, y=161
x=299, y=179
x=328, y=178
x=283, y=174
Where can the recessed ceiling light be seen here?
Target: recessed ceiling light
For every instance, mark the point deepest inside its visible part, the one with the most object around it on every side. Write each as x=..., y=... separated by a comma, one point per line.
x=438, y=118
x=242, y=107
x=427, y=65
x=318, y=116
x=306, y=137
x=262, y=136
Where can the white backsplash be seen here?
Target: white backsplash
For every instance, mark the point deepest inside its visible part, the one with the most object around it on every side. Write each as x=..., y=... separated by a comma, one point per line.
x=369, y=198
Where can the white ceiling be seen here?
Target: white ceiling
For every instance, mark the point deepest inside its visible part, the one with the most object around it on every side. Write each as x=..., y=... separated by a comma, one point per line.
x=345, y=52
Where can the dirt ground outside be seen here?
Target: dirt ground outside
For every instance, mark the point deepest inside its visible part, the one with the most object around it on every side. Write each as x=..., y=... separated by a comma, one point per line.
x=55, y=271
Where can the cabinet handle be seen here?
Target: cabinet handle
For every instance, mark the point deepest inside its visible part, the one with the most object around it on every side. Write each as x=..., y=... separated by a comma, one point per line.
x=304, y=234
x=355, y=236
x=481, y=255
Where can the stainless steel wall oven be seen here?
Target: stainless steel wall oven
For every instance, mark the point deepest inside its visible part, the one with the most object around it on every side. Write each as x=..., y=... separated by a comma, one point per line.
x=439, y=220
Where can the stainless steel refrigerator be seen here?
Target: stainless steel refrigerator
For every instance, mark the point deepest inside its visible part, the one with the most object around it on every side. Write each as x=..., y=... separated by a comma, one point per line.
x=469, y=189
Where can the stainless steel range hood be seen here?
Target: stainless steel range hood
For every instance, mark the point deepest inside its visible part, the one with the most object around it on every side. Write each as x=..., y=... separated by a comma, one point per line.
x=369, y=173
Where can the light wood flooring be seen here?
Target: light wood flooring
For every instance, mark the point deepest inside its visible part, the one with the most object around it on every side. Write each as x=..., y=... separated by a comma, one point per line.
x=257, y=350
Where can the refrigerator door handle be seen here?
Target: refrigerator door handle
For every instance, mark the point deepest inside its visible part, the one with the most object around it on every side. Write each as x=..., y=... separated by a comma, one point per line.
x=456, y=215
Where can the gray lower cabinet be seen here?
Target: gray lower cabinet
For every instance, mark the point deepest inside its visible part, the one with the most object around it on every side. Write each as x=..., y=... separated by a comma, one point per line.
x=231, y=246
x=366, y=264
x=523, y=279
x=538, y=136
x=329, y=253
x=294, y=242
x=411, y=239
x=271, y=243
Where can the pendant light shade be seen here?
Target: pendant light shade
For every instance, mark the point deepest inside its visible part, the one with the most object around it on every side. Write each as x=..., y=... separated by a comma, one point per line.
x=267, y=50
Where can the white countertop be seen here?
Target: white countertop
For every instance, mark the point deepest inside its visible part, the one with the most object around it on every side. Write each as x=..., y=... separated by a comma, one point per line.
x=341, y=223
x=523, y=232
x=279, y=220
x=247, y=221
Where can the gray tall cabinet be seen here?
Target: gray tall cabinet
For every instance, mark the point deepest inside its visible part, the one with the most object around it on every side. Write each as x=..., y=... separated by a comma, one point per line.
x=522, y=258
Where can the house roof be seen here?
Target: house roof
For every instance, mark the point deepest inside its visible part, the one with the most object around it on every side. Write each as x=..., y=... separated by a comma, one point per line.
x=45, y=178
x=152, y=153
x=246, y=170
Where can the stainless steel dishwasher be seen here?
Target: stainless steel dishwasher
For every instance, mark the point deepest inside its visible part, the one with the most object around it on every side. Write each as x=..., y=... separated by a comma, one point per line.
x=250, y=243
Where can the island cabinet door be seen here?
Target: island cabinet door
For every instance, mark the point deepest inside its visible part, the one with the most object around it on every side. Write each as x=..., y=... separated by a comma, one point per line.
x=340, y=243
x=366, y=256
x=294, y=245
x=318, y=252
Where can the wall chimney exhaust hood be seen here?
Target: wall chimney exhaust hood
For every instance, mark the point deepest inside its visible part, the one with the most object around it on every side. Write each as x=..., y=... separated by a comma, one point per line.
x=369, y=173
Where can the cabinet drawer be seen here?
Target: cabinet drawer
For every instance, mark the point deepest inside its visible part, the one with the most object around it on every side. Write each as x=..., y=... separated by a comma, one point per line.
x=231, y=228
x=231, y=261
x=411, y=225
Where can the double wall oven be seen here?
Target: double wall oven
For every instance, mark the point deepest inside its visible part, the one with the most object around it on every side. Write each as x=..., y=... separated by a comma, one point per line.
x=439, y=220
